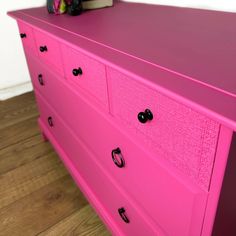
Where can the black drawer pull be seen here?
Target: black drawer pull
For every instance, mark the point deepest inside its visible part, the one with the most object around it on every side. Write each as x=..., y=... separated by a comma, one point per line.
x=123, y=215
x=77, y=72
x=117, y=152
x=43, y=48
x=23, y=35
x=40, y=79
x=143, y=117
x=50, y=122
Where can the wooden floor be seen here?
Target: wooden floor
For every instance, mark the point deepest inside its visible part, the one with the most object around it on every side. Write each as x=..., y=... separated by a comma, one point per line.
x=37, y=195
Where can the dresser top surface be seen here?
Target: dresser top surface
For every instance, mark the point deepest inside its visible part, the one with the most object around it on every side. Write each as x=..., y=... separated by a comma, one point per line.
x=199, y=44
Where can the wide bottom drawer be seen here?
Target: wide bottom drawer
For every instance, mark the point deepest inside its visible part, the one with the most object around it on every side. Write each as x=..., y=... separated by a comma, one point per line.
x=123, y=217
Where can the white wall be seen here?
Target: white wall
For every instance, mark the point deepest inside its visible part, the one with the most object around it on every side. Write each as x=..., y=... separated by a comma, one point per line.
x=222, y=5
x=14, y=78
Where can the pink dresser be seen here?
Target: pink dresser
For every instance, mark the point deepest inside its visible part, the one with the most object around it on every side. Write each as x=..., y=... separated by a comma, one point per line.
x=139, y=101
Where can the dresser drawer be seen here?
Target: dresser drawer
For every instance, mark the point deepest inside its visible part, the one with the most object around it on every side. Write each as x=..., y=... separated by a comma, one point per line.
x=120, y=211
x=85, y=72
x=43, y=80
x=46, y=81
x=27, y=37
x=178, y=134
x=161, y=195
x=49, y=50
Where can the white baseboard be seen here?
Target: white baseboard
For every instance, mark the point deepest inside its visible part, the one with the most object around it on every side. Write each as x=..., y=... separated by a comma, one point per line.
x=13, y=91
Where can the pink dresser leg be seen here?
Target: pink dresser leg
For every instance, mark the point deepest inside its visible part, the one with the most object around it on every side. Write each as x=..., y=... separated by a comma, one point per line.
x=44, y=137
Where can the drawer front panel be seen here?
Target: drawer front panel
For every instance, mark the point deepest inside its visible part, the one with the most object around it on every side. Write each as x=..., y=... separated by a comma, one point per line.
x=49, y=50
x=146, y=180
x=180, y=135
x=46, y=82
x=27, y=37
x=90, y=76
x=104, y=190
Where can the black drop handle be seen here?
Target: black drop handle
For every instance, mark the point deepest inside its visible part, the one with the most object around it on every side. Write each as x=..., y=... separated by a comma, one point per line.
x=77, y=72
x=50, y=122
x=123, y=215
x=143, y=117
x=23, y=35
x=40, y=79
x=43, y=48
x=117, y=153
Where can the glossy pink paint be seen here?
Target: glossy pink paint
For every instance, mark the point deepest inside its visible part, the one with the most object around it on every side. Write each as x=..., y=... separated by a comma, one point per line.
x=174, y=164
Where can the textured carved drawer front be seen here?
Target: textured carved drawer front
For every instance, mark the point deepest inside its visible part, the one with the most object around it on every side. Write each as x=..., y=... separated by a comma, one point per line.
x=49, y=50
x=105, y=191
x=86, y=73
x=27, y=37
x=178, y=134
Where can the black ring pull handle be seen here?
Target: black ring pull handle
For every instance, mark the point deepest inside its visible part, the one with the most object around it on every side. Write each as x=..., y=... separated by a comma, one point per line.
x=23, y=35
x=117, y=153
x=50, y=122
x=143, y=117
x=77, y=72
x=40, y=79
x=123, y=215
x=43, y=48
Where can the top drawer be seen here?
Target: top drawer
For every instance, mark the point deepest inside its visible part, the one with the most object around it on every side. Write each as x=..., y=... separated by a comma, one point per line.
x=86, y=73
x=27, y=36
x=48, y=50
x=180, y=135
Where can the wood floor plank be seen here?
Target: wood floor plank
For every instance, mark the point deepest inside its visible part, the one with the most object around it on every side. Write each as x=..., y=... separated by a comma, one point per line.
x=24, y=180
x=23, y=152
x=12, y=117
x=38, y=211
x=18, y=132
x=17, y=102
x=17, y=109
x=83, y=222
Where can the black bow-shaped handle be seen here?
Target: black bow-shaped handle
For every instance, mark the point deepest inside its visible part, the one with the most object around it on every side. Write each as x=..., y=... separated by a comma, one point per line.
x=23, y=35
x=43, y=48
x=77, y=72
x=143, y=117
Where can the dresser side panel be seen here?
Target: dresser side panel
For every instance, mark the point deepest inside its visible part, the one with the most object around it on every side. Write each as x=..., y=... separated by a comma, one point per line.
x=220, y=163
x=225, y=221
